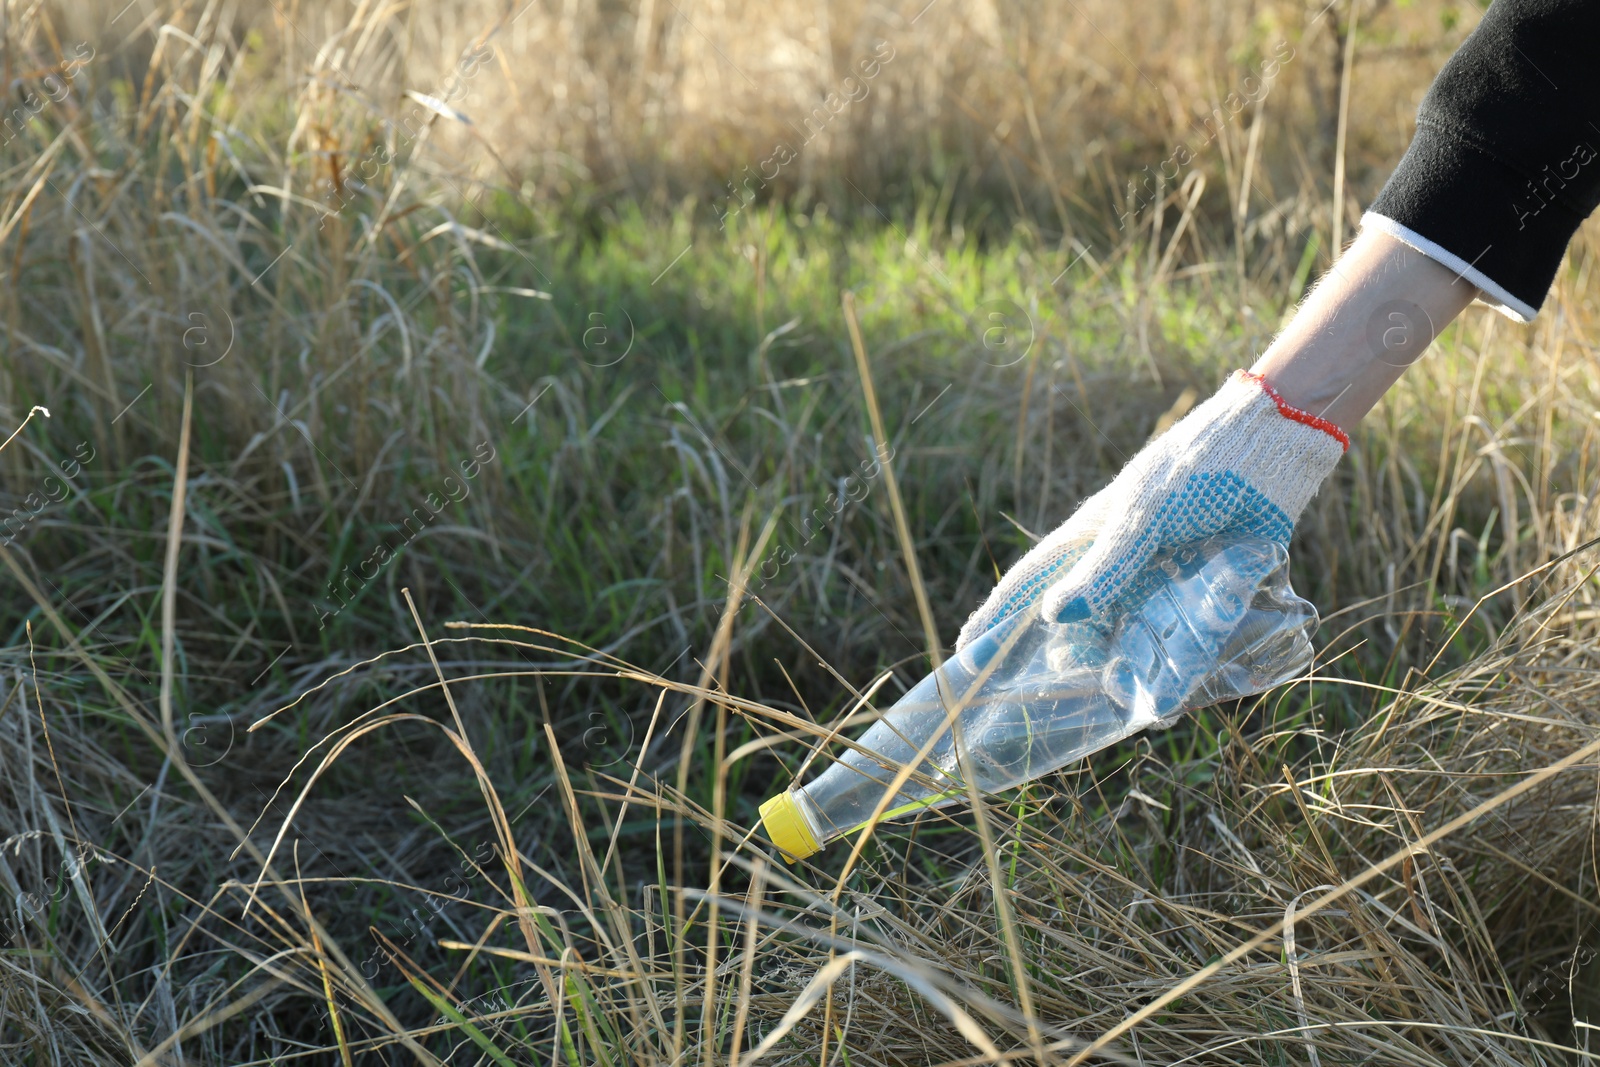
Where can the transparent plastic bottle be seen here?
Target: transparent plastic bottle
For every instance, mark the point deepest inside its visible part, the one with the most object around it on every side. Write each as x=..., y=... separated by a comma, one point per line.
x=1029, y=697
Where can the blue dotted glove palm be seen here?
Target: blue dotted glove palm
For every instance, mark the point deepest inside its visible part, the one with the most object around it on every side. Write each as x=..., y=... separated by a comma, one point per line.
x=1243, y=461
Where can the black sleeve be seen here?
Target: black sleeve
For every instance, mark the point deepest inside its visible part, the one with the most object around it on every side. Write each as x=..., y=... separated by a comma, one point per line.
x=1504, y=164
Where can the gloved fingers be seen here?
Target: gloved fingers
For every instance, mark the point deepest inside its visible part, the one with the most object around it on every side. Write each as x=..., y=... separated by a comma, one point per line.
x=1118, y=555
x=1028, y=578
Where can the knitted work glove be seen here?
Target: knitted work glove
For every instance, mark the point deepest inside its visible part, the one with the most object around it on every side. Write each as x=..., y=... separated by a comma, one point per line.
x=1243, y=461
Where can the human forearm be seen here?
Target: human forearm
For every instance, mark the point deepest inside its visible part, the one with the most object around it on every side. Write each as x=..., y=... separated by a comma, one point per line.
x=1247, y=460
x=1505, y=162
x=1367, y=320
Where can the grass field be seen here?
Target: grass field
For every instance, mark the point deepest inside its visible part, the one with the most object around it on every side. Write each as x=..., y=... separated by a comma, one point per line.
x=459, y=507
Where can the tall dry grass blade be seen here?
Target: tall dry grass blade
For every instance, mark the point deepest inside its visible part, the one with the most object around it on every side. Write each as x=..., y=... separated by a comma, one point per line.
x=709, y=671
x=491, y=798
x=1291, y=953
x=589, y=869
x=169, y=570
x=758, y=889
x=1336, y=243
x=570, y=964
x=1017, y=961
x=331, y=1001
x=633, y=784
x=902, y=527
x=744, y=565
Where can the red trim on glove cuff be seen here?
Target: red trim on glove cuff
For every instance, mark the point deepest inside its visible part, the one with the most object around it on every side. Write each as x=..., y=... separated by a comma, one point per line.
x=1289, y=411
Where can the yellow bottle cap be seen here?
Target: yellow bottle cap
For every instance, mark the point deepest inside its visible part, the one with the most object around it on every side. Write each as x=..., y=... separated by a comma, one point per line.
x=787, y=828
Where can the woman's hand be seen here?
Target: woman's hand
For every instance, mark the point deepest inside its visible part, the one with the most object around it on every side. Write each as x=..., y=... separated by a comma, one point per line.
x=1248, y=459
x=1244, y=461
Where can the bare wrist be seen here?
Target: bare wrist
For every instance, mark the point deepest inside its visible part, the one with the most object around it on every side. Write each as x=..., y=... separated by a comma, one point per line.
x=1369, y=318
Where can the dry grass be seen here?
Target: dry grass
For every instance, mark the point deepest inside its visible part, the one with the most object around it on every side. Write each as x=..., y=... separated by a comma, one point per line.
x=451, y=837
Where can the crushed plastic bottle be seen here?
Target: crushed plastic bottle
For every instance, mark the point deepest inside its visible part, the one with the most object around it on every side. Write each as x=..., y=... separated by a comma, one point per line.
x=1029, y=697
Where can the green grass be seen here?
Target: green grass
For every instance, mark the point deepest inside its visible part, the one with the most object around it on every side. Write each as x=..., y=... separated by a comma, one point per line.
x=610, y=513
x=667, y=392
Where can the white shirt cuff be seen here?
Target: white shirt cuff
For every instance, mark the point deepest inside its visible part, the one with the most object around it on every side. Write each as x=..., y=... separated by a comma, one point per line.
x=1489, y=293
